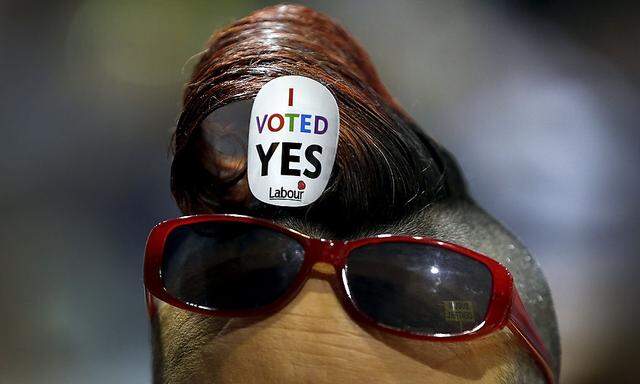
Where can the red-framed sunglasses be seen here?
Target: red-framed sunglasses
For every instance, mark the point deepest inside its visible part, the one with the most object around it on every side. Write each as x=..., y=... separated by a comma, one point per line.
x=414, y=287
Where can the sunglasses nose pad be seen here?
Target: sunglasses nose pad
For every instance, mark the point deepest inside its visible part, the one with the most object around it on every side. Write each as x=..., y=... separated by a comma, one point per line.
x=322, y=270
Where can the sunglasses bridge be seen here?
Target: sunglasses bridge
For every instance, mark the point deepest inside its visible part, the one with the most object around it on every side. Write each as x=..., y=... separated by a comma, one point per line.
x=327, y=251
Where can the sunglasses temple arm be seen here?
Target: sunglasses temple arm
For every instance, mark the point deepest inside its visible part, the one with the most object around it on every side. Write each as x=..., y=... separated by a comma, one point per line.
x=152, y=309
x=521, y=325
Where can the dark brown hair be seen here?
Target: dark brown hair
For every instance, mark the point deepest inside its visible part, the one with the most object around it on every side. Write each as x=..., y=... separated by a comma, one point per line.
x=385, y=166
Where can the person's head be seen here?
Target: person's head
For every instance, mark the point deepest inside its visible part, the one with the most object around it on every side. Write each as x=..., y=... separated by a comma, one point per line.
x=388, y=177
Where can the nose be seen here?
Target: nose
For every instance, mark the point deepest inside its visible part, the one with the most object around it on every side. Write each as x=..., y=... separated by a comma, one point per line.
x=318, y=300
x=311, y=340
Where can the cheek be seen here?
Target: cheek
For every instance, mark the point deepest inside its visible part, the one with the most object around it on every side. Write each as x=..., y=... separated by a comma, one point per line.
x=314, y=340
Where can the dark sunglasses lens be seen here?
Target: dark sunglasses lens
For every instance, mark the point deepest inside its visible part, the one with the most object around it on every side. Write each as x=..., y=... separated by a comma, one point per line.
x=418, y=288
x=229, y=266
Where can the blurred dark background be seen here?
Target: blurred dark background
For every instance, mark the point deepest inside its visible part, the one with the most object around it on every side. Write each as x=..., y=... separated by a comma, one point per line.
x=539, y=101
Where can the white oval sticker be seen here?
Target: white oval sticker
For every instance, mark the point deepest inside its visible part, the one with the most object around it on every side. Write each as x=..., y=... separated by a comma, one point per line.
x=293, y=136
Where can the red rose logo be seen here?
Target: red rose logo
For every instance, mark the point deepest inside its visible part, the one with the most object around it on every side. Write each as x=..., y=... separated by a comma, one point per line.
x=301, y=185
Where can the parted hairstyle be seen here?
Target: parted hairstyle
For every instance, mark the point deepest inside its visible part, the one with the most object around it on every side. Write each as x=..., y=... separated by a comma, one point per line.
x=385, y=166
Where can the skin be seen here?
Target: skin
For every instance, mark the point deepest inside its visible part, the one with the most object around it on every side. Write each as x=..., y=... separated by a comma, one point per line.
x=314, y=340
